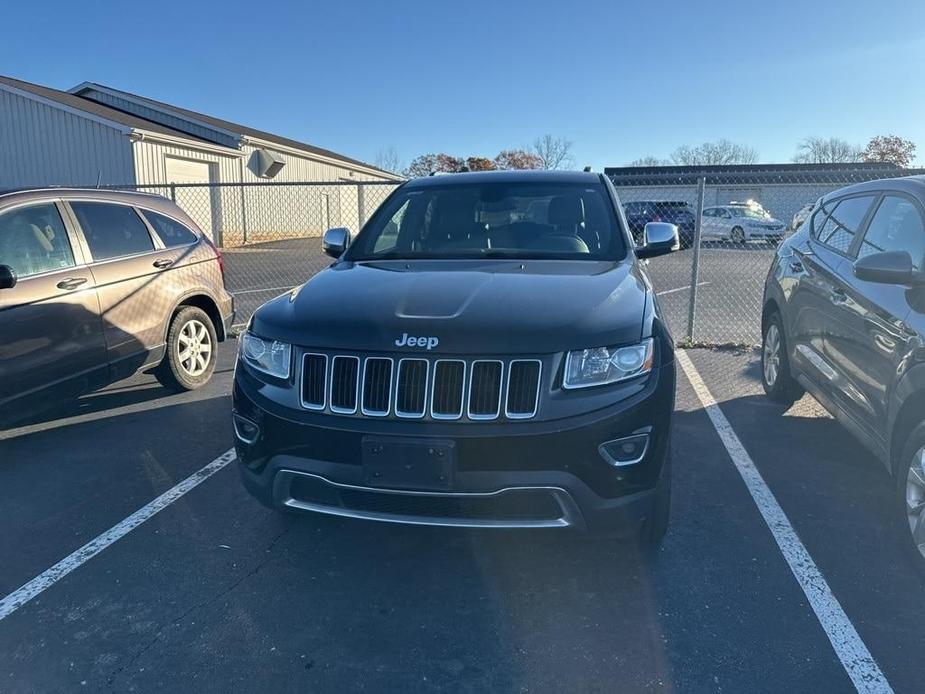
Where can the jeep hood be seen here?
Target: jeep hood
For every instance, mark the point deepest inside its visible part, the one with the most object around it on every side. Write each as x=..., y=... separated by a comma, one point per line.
x=475, y=307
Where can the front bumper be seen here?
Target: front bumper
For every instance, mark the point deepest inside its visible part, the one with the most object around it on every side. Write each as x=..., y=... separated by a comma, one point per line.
x=764, y=234
x=508, y=474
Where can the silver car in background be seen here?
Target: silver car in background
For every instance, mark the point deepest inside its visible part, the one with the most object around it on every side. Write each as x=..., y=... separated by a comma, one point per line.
x=740, y=223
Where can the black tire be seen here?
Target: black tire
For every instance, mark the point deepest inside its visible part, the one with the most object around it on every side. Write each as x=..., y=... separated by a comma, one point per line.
x=906, y=492
x=737, y=235
x=174, y=371
x=656, y=525
x=783, y=388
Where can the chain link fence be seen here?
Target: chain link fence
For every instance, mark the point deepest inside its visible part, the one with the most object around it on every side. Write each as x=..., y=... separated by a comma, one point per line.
x=710, y=291
x=270, y=233
x=730, y=223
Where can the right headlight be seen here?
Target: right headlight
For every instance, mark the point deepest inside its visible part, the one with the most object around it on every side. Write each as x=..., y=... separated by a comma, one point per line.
x=270, y=356
x=601, y=365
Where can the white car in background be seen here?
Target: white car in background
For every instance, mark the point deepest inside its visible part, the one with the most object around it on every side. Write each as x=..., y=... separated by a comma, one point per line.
x=739, y=223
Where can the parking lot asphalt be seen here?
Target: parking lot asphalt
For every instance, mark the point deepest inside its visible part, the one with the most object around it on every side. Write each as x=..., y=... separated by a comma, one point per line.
x=217, y=593
x=729, y=285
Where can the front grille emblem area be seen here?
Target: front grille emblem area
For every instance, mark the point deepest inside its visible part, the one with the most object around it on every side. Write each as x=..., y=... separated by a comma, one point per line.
x=417, y=387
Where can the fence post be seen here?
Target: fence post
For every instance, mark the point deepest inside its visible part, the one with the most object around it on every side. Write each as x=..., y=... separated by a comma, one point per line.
x=173, y=192
x=695, y=266
x=361, y=206
x=243, y=216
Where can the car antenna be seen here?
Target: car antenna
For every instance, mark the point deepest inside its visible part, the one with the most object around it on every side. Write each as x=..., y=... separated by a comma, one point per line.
x=587, y=169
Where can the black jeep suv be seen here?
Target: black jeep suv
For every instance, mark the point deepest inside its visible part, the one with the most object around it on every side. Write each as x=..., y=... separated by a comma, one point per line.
x=488, y=352
x=844, y=318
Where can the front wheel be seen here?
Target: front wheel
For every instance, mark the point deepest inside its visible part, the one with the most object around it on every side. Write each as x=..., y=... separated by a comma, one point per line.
x=737, y=235
x=776, y=377
x=191, y=351
x=910, y=496
x=656, y=525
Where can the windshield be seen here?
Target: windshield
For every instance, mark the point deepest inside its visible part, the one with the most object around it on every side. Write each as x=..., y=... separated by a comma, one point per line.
x=507, y=220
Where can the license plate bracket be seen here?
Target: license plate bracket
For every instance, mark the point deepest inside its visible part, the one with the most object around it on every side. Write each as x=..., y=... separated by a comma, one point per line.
x=408, y=463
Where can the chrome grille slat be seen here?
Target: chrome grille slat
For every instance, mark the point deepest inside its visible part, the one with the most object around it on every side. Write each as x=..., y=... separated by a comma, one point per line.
x=420, y=386
x=314, y=379
x=377, y=386
x=344, y=389
x=411, y=388
x=523, y=388
x=448, y=392
x=485, y=379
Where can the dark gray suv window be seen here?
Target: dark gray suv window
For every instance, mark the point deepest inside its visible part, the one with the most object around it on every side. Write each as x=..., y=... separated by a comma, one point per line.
x=896, y=226
x=837, y=231
x=33, y=240
x=112, y=231
x=172, y=233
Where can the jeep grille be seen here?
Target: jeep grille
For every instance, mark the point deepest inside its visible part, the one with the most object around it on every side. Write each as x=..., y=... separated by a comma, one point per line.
x=418, y=387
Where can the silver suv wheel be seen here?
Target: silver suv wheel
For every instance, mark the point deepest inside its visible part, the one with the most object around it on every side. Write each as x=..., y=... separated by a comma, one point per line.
x=915, y=500
x=194, y=346
x=771, y=360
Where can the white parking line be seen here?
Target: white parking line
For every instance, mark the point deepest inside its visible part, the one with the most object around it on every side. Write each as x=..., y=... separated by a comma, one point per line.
x=48, y=578
x=679, y=289
x=850, y=649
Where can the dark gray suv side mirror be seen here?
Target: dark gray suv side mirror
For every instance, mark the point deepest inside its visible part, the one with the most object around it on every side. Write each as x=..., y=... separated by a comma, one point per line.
x=7, y=277
x=335, y=241
x=891, y=267
x=658, y=238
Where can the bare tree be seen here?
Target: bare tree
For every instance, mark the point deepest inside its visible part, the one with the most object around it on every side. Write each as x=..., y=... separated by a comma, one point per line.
x=890, y=148
x=648, y=161
x=826, y=150
x=554, y=152
x=388, y=160
x=721, y=152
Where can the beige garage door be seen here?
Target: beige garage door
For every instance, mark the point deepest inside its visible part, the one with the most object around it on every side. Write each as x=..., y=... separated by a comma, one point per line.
x=197, y=201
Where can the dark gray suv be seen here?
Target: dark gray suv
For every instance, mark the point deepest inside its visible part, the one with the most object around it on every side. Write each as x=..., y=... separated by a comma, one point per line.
x=96, y=285
x=844, y=318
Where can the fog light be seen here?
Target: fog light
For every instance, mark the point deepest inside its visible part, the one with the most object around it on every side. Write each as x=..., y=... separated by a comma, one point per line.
x=626, y=451
x=245, y=429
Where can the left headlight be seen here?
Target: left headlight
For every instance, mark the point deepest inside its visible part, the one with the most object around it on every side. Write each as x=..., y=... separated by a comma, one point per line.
x=270, y=356
x=601, y=365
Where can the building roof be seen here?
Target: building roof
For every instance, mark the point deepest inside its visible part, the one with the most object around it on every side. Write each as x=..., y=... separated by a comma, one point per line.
x=840, y=174
x=94, y=108
x=228, y=125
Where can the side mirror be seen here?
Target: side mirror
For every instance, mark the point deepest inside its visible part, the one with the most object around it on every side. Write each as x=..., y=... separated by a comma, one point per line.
x=658, y=238
x=892, y=267
x=7, y=277
x=335, y=241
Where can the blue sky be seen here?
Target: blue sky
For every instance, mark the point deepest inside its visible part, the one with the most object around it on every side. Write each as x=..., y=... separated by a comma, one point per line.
x=619, y=79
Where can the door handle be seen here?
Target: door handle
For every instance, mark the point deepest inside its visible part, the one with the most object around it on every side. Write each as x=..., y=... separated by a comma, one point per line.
x=71, y=282
x=162, y=263
x=838, y=296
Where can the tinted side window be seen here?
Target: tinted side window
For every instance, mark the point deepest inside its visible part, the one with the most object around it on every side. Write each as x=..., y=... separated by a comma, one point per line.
x=112, y=230
x=172, y=233
x=33, y=240
x=896, y=226
x=837, y=232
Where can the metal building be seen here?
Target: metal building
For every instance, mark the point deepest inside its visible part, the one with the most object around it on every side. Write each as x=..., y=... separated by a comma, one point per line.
x=95, y=135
